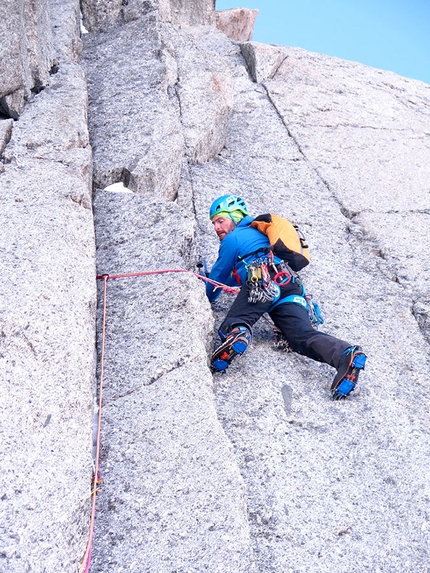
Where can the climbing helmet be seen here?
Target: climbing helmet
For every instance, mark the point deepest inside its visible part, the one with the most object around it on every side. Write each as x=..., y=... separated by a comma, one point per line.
x=228, y=204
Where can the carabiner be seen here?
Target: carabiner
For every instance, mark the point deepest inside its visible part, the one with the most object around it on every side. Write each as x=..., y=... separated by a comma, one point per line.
x=283, y=281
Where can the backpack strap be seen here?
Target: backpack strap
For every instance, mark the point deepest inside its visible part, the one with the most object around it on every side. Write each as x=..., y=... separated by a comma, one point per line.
x=263, y=250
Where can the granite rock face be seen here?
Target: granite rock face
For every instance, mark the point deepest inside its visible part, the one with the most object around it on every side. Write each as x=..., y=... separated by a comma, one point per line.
x=257, y=470
x=99, y=15
x=5, y=133
x=204, y=91
x=169, y=98
x=262, y=61
x=134, y=124
x=66, y=30
x=312, y=142
x=192, y=12
x=47, y=312
x=237, y=23
x=102, y=15
x=159, y=417
x=25, y=52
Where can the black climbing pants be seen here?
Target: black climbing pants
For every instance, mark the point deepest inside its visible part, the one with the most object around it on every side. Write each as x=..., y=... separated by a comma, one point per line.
x=293, y=321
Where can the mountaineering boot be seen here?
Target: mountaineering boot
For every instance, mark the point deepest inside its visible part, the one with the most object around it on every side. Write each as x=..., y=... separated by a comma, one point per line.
x=351, y=362
x=236, y=342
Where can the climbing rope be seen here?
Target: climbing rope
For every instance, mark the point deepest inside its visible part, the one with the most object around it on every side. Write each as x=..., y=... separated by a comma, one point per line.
x=232, y=290
x=87, y=556
x=86, y=561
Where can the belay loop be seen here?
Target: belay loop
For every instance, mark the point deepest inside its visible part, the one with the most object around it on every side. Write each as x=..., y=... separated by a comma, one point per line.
x=282, y=278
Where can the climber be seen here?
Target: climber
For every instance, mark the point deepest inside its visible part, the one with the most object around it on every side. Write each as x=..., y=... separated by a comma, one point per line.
x=231, y=221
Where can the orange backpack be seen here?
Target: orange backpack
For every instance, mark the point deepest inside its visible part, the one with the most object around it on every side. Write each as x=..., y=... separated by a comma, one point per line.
x=286, y=240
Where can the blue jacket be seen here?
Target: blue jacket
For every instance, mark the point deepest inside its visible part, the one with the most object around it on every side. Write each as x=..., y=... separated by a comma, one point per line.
x=239, y=242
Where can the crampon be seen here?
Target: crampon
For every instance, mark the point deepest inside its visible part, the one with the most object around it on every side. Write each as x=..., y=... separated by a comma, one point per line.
x=236, y=343
x=351, y=363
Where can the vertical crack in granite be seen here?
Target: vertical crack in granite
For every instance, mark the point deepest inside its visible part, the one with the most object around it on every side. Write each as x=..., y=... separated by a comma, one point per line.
x=421, y=312
x=385, y=268
x=302, y=153
x=343, y=209
x=164, y=426
x=136, y=133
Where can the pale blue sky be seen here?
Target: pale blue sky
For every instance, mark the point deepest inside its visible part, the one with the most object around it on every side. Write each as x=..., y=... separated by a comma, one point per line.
x=388, y=34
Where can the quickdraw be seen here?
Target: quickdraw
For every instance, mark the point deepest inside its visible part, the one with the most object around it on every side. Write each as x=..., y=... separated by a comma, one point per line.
x=261, y=287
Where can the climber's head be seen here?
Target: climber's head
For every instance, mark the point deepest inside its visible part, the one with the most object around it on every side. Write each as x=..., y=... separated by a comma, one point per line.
x=226, y=212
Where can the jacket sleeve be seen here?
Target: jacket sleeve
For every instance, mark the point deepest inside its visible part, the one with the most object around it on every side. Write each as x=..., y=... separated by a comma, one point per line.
x=221, y=271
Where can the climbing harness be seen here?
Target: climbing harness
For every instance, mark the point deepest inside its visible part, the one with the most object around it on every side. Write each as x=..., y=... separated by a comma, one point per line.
x=261, y=287
x=304, y=300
